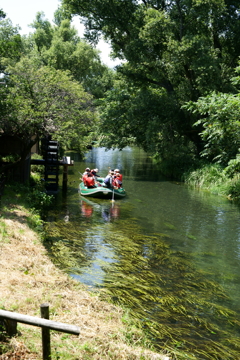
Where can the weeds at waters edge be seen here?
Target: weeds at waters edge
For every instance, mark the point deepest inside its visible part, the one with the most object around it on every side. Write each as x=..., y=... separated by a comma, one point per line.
x=216, y=180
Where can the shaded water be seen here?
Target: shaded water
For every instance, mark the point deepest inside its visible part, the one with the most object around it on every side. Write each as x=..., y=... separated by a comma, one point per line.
x=168, y=252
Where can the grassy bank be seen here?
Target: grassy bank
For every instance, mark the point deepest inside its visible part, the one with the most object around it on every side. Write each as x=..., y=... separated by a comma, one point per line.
x=217, y=180
x=28, y=279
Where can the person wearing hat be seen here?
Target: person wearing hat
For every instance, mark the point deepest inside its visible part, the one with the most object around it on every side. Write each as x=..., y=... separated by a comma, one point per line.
x=118, y=177
x=90, y=181
x=94, y=172
x=95, y=175
x=87, y=170
x=85, y=175
x=108, y=181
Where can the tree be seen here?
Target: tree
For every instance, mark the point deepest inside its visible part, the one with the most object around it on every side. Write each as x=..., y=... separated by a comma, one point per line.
x=60, y=47
x=40, y=100
x=219, y=116
x=43, y=32
x=183, y=49
x=2, y=14
x=10, y=42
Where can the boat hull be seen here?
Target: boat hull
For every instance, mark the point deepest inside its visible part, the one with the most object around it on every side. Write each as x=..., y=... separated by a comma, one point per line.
x=101, y=192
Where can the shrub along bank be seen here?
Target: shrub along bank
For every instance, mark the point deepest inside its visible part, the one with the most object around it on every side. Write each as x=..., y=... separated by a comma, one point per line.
x=216, y=179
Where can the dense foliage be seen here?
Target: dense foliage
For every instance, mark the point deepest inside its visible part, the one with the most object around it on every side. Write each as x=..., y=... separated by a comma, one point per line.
x=49, y=80
x=173, y=95
x=219, y=116
x=10, y=42
x=61, y=47
x=42, y=101
x=174, y=52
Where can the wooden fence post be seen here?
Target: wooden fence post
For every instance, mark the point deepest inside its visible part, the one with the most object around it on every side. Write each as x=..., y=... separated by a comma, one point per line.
x=13, y=318
x=11, y=327
x=65, y=178
x=46, y=342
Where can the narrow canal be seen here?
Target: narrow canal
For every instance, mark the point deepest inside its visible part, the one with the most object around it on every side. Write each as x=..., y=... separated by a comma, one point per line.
x=169, y=253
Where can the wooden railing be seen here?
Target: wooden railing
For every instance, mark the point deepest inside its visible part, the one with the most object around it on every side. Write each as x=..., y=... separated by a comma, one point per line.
x=11, y=319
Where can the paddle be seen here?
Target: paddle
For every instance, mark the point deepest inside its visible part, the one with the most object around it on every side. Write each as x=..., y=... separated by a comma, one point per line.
x=112, y=190
x=113, y=195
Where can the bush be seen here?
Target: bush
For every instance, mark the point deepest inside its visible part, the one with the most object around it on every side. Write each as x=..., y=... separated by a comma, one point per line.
x=37, y=168
x=206, y=177
x=38, y=198
x=234, y=188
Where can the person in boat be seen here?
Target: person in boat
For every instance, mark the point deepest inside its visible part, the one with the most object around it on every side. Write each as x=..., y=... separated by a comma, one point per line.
x=87, y=170
x=108, y=181
x=115, y=183
x=95, y=173
x=118, y=174
x=85, y=175
x=96, y=176
x=117, y=179
x=90, y=181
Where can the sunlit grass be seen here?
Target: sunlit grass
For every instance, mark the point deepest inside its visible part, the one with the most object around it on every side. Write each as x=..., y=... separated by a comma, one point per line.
x=28, y=278
x=213, y=178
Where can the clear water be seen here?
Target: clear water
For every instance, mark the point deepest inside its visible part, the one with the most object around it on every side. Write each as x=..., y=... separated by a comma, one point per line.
x=99, y=241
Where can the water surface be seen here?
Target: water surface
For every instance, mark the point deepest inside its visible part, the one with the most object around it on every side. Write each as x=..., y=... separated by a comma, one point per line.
x=169, y=252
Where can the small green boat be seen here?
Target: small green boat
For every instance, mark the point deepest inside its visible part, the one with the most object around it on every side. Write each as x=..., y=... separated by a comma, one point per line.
x=101, y=191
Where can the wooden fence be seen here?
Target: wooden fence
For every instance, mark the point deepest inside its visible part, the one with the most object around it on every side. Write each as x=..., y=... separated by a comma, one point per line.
x=11, y=319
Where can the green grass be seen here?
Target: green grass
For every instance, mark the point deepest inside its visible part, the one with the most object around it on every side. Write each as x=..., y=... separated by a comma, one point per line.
x=3, y=233
x=214, y=178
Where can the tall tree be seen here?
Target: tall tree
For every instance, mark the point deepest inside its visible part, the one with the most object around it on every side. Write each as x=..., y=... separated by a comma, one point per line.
x=61, y=47
x=10, y=42
x=182, y=49
x=43, y=32
x=42, y=101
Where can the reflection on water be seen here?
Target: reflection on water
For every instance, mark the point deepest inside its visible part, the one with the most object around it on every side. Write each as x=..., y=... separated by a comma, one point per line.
x=168, y=252
x=109, y=211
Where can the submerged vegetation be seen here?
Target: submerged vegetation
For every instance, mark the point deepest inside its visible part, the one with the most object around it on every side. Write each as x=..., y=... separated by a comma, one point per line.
x=178, y=307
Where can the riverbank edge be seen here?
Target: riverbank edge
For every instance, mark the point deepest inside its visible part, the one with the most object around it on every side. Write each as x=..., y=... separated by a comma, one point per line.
x=28, y=279
x=216, y=180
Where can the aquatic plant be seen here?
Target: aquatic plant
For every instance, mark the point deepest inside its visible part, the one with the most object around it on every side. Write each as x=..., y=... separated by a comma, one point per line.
x=179, y=308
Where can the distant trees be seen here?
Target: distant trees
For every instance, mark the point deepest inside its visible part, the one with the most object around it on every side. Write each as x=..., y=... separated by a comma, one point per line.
x=2, y=14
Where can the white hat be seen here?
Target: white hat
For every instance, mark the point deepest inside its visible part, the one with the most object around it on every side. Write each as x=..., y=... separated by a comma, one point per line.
x=117, y=170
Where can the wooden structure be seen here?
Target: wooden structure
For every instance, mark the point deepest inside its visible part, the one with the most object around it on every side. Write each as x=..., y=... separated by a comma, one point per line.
x=50, y=150
x=11, y=319
x=66, y=162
